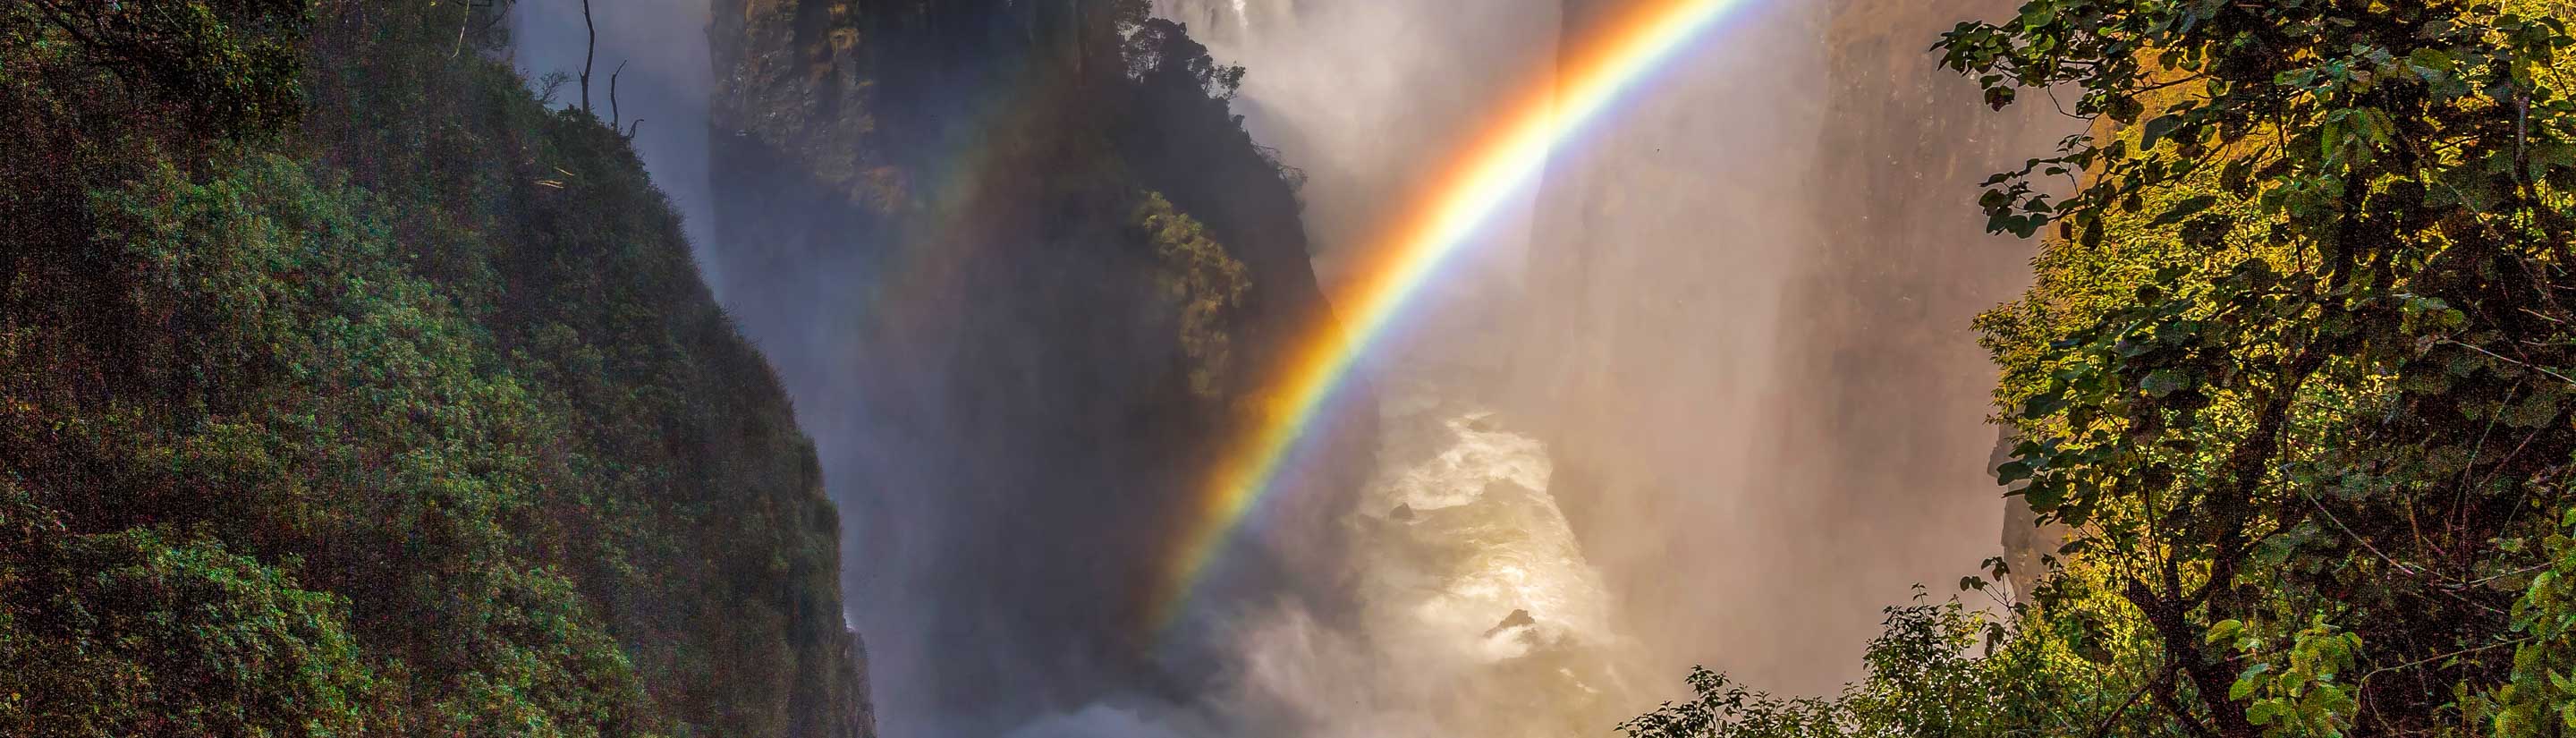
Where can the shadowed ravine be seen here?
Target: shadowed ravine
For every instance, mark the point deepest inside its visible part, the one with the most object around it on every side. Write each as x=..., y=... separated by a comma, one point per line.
x=1707, y=395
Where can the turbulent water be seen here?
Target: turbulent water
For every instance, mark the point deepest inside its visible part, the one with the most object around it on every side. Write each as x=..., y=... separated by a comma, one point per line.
x=1462, y=535
x=1477, y=612
x=1736, y=313
x=1759, y=412
x=1468, y=558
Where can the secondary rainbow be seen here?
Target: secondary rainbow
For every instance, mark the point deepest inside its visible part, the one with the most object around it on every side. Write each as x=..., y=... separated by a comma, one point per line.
x=1617, y=54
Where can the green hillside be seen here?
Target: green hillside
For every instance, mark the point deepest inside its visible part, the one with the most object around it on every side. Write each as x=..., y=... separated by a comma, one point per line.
x=348, y=388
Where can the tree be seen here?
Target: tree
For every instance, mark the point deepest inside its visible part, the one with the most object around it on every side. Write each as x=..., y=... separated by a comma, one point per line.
x=132, y=634
x=2295, y=370
x=2325, y=421
x=224, y=67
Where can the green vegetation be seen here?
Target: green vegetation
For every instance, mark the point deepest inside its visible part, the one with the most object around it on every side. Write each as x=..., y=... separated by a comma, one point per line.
x=2295, y=372
x=347, y=389
x=1203, y=282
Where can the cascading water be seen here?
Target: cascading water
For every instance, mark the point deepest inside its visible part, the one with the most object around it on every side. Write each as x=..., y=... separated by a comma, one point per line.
x=1478, y=613
x=1622, y=434
x=1764, y=409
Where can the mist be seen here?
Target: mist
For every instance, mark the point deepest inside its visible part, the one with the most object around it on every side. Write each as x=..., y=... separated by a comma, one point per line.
x=1752, y=352
x=1361, y=96
x=656, y=53
x=1736, y=311
x=1707, y=394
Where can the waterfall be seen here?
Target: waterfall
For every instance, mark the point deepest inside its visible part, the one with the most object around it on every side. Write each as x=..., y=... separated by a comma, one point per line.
x=1762, y=409
x=1684, y=404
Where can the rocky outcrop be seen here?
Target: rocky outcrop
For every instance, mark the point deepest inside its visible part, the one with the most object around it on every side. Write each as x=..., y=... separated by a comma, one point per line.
x=1023, y=274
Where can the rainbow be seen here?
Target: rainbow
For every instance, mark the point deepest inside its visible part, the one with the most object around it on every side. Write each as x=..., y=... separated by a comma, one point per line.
x=1614, y=57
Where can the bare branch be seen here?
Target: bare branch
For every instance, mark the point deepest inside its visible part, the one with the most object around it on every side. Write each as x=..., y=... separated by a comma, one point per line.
x=614, y=117
x=589, y=48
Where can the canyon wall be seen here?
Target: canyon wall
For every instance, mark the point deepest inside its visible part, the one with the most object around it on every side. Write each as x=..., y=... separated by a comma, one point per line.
x=1022, y=272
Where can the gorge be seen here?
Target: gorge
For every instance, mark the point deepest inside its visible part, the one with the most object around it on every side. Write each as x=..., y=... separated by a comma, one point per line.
x=1287, y=368
x=1659, y=387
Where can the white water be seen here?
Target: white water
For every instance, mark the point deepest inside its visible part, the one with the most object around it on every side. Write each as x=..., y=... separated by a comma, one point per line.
x=1743, y=315
x=1694, y=229
x=1477, y=612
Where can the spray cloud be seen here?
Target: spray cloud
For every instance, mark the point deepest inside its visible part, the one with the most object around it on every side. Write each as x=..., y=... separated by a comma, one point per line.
x=1686, y=405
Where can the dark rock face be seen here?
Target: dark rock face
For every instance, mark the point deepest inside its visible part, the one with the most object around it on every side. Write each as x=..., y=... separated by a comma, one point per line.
x=934, y=217
x=1765, y=373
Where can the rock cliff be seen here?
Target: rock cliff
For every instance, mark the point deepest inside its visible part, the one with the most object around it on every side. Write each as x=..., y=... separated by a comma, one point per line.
x=1023, y=271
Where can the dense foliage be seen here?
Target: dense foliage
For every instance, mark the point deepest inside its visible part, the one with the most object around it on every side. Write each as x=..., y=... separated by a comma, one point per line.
x=348, y=389
x=2294, y=373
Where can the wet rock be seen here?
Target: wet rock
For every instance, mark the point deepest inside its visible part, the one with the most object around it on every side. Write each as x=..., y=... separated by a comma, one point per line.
x=1518, y=618
x=1402, y=513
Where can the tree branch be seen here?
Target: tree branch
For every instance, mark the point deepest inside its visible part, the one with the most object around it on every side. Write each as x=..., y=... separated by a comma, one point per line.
x=588, y=50
x=614, y=118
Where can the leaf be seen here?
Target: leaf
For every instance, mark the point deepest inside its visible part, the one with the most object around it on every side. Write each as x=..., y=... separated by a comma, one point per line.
x=2164, y=382
x=2185, y=209
x=2225, y=629
x=2467, y=185
x=2247, y=682
x=2263, y=713
x=2043, y=497
x=2158, y=129
x=2012, y=471
x=2044, y=405
x=2430, y=59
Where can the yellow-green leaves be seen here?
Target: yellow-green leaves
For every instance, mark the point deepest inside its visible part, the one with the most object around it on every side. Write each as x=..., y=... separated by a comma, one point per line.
x=1205, y=288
